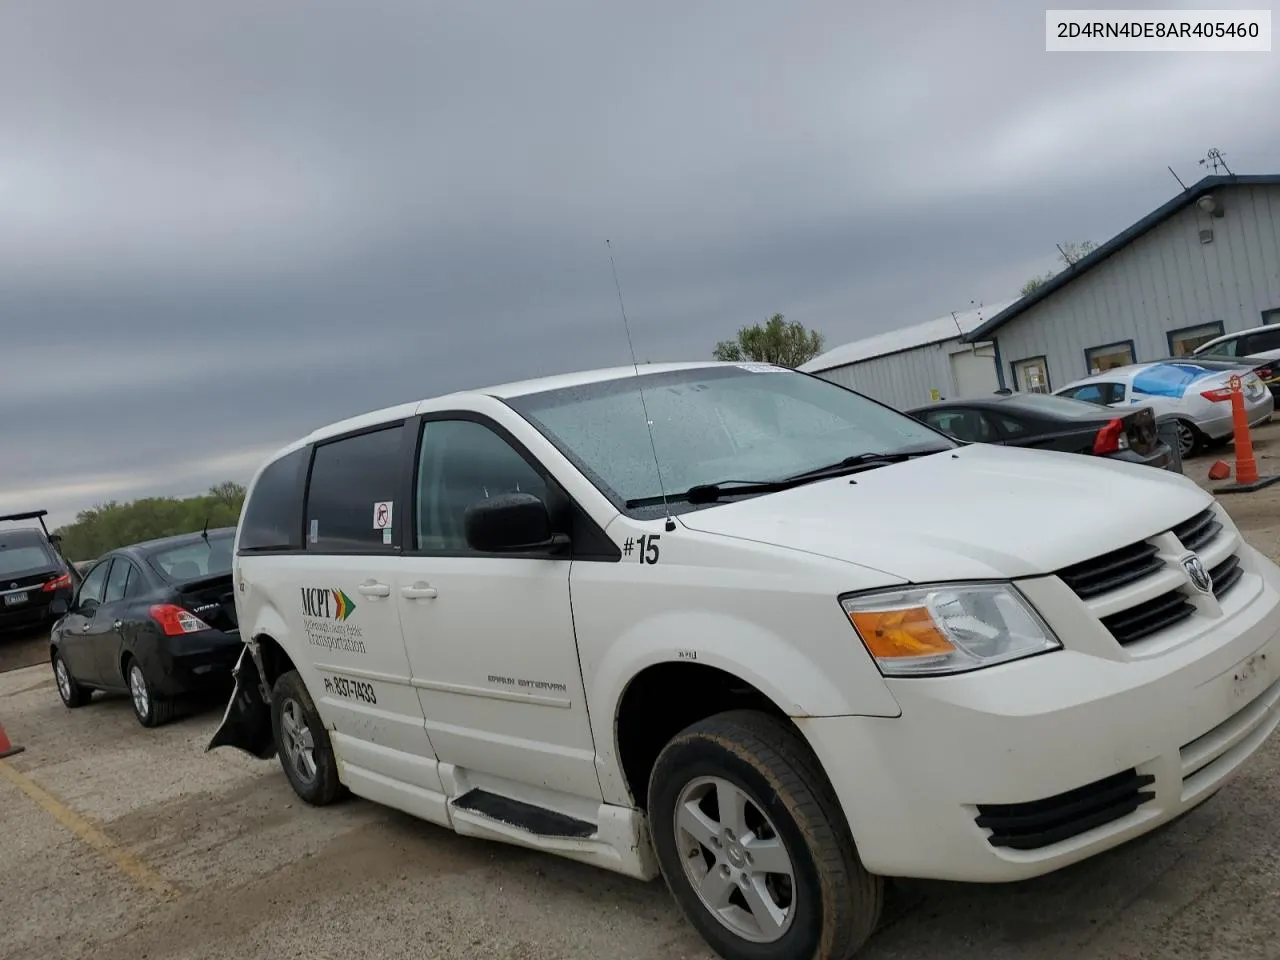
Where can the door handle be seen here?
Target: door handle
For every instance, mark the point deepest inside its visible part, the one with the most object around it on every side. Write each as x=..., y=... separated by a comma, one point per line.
x=118, y=624
x=419, y=591
x=85, y=626
x=372, y=588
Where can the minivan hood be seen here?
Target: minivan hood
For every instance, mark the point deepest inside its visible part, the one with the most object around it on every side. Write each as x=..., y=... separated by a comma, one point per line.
x=975, y=512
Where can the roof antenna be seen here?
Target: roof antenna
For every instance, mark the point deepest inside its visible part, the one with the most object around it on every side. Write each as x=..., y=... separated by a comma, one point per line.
x=662, y=487
x=1179, y=179
x=1215, y=159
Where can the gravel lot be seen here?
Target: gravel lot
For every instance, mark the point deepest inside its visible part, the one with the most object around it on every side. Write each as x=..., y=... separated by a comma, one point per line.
x=123, y=844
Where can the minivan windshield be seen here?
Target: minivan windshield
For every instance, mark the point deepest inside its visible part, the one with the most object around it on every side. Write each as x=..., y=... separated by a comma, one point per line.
x=739, y=423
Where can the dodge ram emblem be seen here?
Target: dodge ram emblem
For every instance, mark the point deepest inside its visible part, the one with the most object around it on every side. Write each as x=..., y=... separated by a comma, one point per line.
x=1197, y=574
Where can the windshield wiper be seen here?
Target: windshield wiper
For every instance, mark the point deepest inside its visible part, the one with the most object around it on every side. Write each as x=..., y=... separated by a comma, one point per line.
x=862, y=461
x=711, y=492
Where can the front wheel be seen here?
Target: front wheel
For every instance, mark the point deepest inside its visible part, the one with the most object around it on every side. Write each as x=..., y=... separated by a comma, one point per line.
x=754, y=846
x=303, y=743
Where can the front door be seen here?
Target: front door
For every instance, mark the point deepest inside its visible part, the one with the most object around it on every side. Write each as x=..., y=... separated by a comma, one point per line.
x=77, y=647
x=490, y=638
x=344, y=612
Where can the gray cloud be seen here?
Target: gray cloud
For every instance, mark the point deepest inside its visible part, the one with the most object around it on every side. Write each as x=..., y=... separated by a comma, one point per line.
x=224, y=224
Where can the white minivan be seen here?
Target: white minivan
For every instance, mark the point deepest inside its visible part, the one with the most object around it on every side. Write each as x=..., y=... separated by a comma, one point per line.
x=748, y=630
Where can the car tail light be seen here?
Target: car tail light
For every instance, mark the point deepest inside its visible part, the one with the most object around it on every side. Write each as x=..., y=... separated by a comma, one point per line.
x=1110, y=439
x=175, y=621
x=1218, y=395
x=57, y=583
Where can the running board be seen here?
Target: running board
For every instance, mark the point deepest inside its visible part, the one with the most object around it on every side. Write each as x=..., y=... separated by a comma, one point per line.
x=533, y=819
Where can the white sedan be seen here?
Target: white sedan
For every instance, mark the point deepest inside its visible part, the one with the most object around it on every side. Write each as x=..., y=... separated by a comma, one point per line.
x=1196, y=398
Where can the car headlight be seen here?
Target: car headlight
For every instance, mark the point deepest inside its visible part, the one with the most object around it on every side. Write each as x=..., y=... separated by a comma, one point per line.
x=947, y=628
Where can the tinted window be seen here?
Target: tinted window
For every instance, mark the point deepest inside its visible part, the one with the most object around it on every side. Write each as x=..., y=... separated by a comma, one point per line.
x=117, y=580
x=1098, y=393
x=273, y=516
x=1010, y=426
x=967, y=425
x=462, y=463
x=91, y=589
x=348, y=477
x=1260, y=342
x=20, y=558
x=190, y=561
x=740, y=422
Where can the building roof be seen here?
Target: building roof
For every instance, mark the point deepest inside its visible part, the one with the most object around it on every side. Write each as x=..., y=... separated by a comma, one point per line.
x=907, y=338
x=1115, y=245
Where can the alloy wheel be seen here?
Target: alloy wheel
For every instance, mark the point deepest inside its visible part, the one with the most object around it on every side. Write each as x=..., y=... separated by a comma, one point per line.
x=299, y=745
x=735, y=859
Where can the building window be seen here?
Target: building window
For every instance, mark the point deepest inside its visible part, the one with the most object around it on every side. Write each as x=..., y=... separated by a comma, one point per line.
x=1108, y=357
x=1031, y=375
x=1271, y=316
x=1183, y=341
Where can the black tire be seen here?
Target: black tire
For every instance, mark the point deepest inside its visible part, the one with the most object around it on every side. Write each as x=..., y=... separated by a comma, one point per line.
x=834, y=903
x=150, y=710
x=1191, y=441
x=290, y=702
x=71, y=693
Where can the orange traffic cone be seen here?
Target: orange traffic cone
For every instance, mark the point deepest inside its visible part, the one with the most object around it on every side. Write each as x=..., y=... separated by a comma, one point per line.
x=1247, y=478
x=7, y=749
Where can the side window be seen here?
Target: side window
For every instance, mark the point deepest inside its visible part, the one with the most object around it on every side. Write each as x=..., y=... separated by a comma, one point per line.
x=1227, y=348
x=969, y=426
x=1260, y=342
x=460, y=463
x=118, y=581
x=1090, y=393
x=273, y=516
x=91, y=589
x=348, y=477
x=1011, y=427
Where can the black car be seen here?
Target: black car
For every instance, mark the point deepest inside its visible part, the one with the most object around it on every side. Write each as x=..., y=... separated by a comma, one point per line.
x=155, y=620
x=1047, y=422
x=33, y=574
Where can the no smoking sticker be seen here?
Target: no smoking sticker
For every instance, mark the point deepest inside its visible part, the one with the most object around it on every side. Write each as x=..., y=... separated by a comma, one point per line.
x=382, y=515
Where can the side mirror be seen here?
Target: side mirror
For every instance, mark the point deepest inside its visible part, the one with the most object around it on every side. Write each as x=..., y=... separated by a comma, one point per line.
x=510, y=523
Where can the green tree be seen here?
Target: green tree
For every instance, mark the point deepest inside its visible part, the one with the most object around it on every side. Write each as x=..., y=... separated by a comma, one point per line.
x=109, y=525
x=1068, y=253
x=777, y=340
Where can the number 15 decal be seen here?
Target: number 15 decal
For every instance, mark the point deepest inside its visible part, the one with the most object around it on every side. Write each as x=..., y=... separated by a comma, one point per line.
x=646, y=547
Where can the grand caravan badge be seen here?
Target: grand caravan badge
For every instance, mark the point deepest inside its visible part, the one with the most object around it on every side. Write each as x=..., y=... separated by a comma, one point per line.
x=326, y=620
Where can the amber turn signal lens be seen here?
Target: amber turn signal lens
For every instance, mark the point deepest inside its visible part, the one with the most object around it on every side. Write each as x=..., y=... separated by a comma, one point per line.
x=908, y=632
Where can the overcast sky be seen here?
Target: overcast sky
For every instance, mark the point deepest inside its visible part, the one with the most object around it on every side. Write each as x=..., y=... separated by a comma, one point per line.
x=224, y=224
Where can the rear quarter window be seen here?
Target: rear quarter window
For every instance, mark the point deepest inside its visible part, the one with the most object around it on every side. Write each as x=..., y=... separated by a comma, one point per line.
x=272, y=517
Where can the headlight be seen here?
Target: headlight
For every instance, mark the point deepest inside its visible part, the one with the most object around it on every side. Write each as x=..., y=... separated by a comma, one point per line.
x=947, y=628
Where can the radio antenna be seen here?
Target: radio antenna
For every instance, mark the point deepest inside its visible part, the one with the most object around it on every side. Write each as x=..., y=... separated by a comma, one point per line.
x=662, y=487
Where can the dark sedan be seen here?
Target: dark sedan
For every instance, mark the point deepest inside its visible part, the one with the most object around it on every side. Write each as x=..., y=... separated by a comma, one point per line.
x=34, y=578
x=1047, y=422
x=155, y=620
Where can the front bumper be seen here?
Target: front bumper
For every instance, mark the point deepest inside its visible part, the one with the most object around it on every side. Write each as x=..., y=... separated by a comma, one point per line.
x=1007, y=743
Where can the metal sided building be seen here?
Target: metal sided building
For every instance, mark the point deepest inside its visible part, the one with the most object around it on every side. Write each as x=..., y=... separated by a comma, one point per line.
x=917, y=364
x=1204, y=264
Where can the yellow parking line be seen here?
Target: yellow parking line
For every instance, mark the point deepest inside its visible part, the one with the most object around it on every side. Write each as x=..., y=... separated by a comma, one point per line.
x=128, y=864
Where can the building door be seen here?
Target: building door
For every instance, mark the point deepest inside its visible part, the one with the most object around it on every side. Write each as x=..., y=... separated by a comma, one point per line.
x=974, y=373
x=1032, y=375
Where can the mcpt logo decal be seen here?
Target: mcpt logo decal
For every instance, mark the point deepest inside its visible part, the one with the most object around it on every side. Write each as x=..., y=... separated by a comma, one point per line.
x=326, y=620
x=327, y=603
